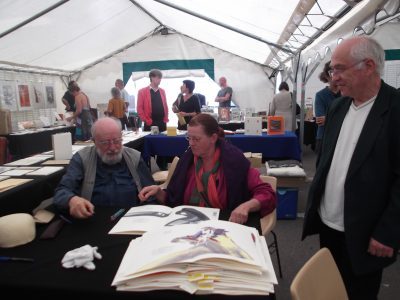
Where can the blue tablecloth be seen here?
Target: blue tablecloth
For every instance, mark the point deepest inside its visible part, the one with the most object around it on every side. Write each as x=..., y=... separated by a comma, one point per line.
x=285, y=146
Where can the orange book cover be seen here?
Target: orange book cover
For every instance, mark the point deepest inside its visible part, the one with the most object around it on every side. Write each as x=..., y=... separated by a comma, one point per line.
x=276, y=125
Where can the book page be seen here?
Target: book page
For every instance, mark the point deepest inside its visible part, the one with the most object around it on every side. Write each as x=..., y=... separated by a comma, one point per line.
x=141, y=219
x=56, y=162
x=211, y=256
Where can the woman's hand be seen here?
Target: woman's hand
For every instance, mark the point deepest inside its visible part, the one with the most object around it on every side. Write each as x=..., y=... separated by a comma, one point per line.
x=148, y=191
x=240, y=214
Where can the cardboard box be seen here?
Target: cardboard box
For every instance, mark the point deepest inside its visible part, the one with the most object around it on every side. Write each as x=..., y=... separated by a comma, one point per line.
x=287, y=203
x=254, y=158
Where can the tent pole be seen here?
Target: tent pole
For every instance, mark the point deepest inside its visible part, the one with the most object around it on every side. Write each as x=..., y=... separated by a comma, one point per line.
x=225, y=26
x=43, y=12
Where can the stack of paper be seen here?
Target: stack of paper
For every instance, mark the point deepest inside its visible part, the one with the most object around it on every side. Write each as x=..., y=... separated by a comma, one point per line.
x=211, y=257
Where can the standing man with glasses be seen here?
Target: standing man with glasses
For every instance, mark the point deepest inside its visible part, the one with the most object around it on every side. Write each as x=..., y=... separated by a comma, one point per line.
x=106, y=174
x=354, y=199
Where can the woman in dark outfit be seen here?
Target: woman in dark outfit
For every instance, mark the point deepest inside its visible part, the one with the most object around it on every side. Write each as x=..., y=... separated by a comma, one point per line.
x=186, y=105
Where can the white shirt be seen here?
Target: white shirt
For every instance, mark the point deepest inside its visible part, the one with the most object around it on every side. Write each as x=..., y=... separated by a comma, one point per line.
x=332, y=203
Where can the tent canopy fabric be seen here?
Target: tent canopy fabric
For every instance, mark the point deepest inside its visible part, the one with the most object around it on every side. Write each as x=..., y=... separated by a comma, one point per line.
x=69, y=36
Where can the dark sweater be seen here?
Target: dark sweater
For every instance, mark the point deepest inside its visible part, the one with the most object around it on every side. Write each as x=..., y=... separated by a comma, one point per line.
x=235, y=168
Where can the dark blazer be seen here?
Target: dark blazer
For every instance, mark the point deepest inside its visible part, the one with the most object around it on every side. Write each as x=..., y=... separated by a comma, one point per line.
x=372, y=185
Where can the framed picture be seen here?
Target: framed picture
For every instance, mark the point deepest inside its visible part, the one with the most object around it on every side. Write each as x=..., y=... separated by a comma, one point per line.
x=50, y=99
x=8, y=95
x=24, y=97
x=38, y=99
x=224, y=114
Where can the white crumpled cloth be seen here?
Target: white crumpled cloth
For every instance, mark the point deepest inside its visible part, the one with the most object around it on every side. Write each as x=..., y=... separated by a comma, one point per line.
x=82, y=256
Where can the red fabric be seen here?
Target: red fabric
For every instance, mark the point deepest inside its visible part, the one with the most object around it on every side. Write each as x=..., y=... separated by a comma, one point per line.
x=212, y=193
x=144, y=105
x=259, y=190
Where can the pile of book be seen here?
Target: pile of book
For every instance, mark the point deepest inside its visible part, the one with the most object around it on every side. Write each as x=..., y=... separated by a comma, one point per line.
x=208, y=257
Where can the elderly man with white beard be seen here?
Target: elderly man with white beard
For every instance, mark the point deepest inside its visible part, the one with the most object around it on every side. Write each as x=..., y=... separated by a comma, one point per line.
x=106, y=174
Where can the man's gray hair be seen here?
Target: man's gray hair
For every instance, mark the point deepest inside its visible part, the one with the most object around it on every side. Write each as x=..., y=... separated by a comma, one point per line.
x=93, y=130
x=369, y=48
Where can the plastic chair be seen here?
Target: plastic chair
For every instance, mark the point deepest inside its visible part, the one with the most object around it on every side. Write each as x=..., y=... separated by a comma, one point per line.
x=268, y=223
x=319, y=279
x=163, y=177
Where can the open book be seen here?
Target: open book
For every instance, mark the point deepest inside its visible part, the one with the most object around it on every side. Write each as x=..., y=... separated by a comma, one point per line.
x=145, y=218
x=209, y=257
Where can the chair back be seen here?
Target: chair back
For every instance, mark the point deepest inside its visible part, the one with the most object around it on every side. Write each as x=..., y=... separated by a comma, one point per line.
x=171, y=171
x=268, y=222
x=319, y=279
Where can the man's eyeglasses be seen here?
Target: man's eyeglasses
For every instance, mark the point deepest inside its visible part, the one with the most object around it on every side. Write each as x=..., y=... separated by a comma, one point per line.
x=110, y=142
x=337, y=70
x=193, y=138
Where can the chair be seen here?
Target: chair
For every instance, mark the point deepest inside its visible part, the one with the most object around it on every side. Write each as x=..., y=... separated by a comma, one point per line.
x=163, y=177
x=319, y=279
x=268, y=223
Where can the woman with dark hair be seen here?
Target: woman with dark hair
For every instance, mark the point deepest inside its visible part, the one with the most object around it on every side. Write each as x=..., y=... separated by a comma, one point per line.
x=282, y=105
x=186, y=105
x=214, y=173
x=323, y=100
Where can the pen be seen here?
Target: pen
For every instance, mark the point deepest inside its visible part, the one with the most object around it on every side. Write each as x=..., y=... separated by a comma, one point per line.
x=10, y=258
x=65, y=219
x=117, y=214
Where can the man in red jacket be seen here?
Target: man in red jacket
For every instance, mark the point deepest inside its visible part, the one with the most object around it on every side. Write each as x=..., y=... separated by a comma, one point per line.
x=153, y=109
x=152, y=103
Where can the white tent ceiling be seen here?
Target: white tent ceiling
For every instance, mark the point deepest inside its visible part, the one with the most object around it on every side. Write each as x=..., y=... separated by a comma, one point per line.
x=68, y=36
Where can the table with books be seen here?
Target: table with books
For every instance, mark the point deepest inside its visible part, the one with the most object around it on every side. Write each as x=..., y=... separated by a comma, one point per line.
x=46, y=276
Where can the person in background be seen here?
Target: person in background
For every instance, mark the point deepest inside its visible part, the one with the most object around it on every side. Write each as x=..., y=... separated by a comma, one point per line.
x=153, y=109
x=152, y=103
x=116, y=107
x=282, y=105
x=323, y=100
x=354, y=198
x=187, y=104
x=106, y=174
x=224, y=95
x=82, y=116
x=214, y=173
x=202, y=99
x=68, y=99
x=129, y=100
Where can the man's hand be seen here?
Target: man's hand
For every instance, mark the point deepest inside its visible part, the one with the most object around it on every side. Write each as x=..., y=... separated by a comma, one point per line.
x=80, y=208
x=378, y=249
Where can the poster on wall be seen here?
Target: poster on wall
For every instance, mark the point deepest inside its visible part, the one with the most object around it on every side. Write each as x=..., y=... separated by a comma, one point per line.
x=24, y=102
x=38, y=100
x=50, y=103
x=8, y=95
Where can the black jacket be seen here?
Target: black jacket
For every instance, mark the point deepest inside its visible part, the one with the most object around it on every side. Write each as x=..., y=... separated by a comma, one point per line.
x=372, y=185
